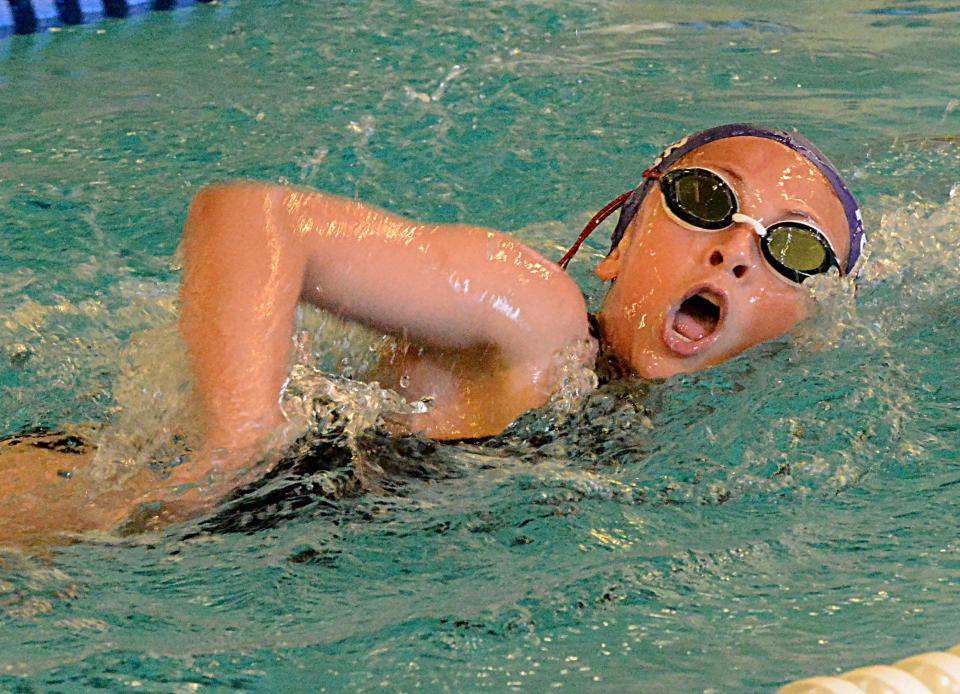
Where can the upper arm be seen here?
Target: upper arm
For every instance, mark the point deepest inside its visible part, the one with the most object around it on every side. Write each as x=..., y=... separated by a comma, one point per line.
x=489, y=319
x=449, y=286
x=242, y=277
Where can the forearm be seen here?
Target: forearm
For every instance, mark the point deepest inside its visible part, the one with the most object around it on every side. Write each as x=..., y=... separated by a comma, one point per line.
x=242, y=279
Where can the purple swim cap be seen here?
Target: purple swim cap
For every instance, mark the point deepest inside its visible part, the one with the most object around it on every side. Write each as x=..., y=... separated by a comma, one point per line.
x=794, y=141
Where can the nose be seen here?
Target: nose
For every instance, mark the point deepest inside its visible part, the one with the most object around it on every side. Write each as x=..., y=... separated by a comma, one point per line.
x=735, y=250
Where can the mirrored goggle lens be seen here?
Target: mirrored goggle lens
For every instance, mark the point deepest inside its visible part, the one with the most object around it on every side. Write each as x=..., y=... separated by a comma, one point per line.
x=797, y=251
x=699, y=197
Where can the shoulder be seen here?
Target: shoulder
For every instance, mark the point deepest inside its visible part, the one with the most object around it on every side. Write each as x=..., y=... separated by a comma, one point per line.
x=237, y=189
x=525, y=289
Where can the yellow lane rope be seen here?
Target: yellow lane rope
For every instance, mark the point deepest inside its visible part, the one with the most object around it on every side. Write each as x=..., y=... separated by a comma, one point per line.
x=928, y=673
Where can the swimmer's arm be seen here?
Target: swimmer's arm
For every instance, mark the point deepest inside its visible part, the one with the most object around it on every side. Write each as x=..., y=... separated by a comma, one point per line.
x=241, y=282
x=489, y=313
x=485, y=316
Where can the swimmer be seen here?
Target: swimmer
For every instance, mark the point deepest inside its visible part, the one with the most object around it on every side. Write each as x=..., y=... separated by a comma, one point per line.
x=707, y=259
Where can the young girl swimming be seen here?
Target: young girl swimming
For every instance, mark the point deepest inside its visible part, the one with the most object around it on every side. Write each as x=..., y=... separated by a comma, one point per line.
x=707, y=260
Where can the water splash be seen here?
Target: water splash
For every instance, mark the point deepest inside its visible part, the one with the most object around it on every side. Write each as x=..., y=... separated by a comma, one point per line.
x=834, y=406
x=825, y=404
x=155, y=418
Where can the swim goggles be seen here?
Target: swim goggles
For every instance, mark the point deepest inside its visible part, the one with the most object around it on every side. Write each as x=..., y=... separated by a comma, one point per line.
x=701, y=198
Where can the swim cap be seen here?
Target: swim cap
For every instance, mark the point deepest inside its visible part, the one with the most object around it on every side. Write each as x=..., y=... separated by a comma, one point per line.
x=793, y=140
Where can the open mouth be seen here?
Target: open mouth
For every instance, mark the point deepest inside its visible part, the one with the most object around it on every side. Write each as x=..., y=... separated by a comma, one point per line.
x=691, y=325
x=697, y=316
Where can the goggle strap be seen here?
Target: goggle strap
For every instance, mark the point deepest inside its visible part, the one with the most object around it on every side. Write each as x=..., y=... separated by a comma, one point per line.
x=596, y=221
x=652, y=173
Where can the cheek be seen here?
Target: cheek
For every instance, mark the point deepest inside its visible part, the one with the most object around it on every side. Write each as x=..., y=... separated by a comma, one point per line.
x=775, y=315
x=664, y=256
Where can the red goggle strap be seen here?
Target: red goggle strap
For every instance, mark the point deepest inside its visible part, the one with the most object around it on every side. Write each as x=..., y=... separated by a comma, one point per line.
x=596, y=221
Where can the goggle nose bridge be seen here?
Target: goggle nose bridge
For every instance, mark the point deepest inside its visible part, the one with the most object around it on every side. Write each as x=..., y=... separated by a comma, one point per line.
x=755, y=224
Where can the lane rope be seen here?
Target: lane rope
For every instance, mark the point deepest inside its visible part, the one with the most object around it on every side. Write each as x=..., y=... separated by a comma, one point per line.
x=937, y=672
x=31, y=16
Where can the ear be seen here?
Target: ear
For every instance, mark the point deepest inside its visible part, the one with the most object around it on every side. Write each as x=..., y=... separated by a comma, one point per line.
x=609, y=267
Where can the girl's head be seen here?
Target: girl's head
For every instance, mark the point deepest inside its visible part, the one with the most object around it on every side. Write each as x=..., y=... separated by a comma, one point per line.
x=712, y=246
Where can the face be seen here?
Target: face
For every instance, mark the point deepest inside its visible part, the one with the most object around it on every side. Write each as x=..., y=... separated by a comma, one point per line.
x=684, y=298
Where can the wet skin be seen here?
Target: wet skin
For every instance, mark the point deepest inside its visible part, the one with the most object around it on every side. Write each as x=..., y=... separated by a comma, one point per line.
x=483, y=319
x=662, y=261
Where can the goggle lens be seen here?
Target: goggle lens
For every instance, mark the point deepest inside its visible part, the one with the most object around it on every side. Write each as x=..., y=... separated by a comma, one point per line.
x=699, y=197
x=797, y=251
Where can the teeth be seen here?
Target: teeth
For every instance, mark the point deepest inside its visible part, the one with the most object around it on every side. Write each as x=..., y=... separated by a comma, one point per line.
x=713, y=299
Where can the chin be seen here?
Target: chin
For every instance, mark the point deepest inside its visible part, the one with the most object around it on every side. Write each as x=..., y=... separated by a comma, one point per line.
x=652, y=365
x=664, y=370
x=662, y=363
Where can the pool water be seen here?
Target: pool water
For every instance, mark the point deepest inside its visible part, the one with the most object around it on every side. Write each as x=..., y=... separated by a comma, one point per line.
x=790, y=513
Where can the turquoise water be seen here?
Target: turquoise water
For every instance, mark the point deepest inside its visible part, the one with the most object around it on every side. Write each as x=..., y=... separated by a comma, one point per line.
x=788, y=514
